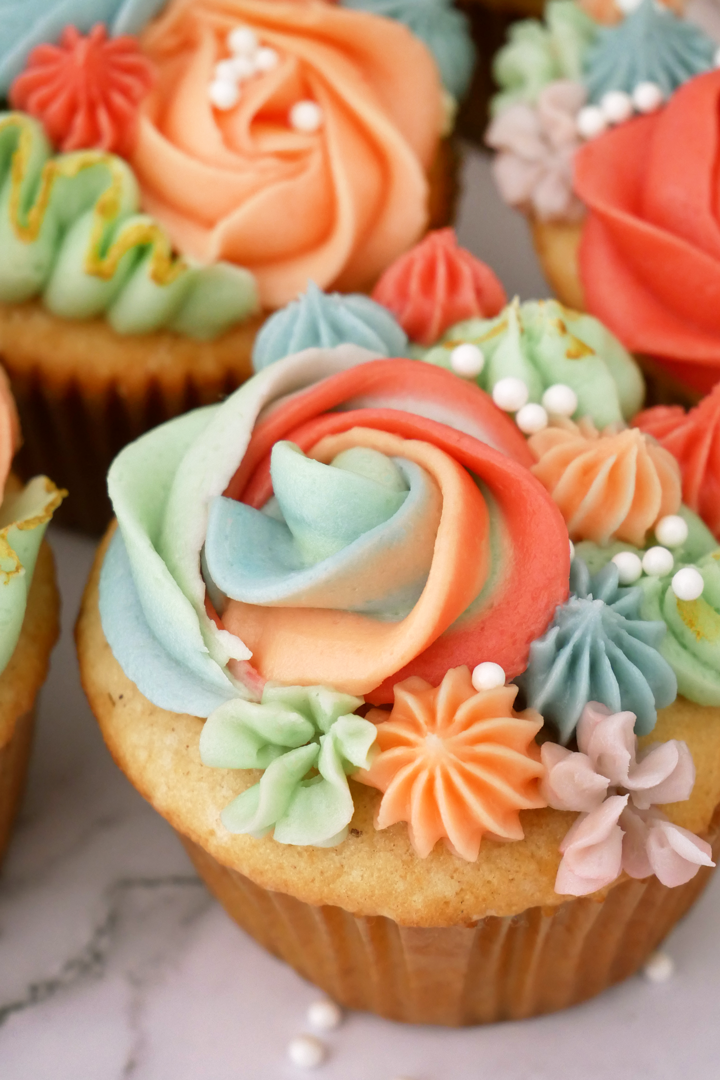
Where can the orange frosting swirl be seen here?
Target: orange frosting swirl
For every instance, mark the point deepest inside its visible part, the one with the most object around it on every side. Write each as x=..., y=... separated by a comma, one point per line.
x=694, y=441
x=455, y=764
x=609, y=486
x=336, y=205
x=436, y=285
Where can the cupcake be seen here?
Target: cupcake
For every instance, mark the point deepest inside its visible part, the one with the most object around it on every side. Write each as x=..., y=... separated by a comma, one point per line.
x=175, y=172
x=338, y=638
x=590, y=137
x=29, y=610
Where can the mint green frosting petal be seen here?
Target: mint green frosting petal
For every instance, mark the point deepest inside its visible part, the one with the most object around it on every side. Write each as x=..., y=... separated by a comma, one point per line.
x=24, y=517
x=650, y=45
x=321, y=320
x=27, y=23
x=539, y=52
x=598, y=648
x=544, y=343
x=61, y=259
x=444, y=30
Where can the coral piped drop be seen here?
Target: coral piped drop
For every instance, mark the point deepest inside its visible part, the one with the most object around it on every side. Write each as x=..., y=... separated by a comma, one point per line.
x=86, y=91
x=436, y=285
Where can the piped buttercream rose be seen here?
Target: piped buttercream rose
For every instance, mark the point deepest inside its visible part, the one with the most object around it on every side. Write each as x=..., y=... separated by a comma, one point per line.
x=338, y=522
x=336, y=204
x=650, y=253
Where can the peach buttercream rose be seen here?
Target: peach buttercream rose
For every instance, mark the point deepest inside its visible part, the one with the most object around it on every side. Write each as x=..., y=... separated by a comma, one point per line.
x=336, y=205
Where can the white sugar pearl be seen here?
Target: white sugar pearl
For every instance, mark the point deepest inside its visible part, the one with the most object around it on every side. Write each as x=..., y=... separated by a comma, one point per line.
x=647, y=97
x=244, y=67
x=658, y=561
x=266, y=59
x=488, y=676
x=224, y=95
x=590, y=122
x=242, y=41
x=628, y=6
x=688, y=583
x=225, y=71
x=306, y=1052
x=629, y=567
x=306, y=116
x=671, y=531
x=531, y=418
x=560, y=400
x=659, y=968
x=616, y=106
x=572, y=551
x=510, y=394
x=324, y=1015
x=467, y=360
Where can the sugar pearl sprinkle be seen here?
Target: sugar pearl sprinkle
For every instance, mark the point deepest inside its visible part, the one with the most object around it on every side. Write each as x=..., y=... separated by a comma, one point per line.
x=560, y=400
x=306, y=1052
x=531, y=419
x=306, y=116
x=510, y=394
x=658, y=561
x=659, y=968
x=688, y=584
x=647, y=97
x=324, y=1015
x=591, y=122
x=467, y=360
x=616, y=106
x=629, y=567
x=671, y=531
x=488, y=676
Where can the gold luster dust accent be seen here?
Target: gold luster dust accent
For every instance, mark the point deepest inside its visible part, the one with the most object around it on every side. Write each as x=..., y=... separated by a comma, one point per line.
x=164, y=267
x=701, y=620
x=578, y=349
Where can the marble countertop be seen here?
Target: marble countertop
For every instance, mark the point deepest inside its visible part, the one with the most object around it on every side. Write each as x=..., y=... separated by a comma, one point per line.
x=115, y=963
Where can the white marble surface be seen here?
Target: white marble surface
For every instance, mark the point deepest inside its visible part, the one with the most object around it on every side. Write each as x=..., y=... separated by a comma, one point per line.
x=115, y=963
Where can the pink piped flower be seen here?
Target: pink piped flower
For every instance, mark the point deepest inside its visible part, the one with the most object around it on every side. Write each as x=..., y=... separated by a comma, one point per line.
x=617, y=792
x=86, y=91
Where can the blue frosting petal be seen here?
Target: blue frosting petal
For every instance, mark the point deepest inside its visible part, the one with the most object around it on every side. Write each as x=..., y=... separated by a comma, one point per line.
x=162, y=679
x=599, y=649
x=27, y=23
x=649, y=45
x=335, y=549
x=323, y=320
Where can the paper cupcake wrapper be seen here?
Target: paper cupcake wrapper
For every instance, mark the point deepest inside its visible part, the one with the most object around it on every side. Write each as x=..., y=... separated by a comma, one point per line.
x=14, y=759
x=500, y=969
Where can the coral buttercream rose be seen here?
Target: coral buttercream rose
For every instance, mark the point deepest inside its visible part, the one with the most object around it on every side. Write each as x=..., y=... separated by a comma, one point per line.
x=334, y=204
x=340, y=522
x=650, y=253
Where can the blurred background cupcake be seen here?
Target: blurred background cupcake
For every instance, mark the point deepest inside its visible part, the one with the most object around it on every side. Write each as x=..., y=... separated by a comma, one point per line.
x=172, y=172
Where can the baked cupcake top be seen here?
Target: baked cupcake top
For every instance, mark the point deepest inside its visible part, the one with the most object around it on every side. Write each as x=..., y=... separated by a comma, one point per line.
x=613, y=125
x=359, y=566
x=179, y=164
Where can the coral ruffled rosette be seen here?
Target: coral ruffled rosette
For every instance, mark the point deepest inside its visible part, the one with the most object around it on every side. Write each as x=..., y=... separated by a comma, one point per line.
x=650, y=252
x=336, y=205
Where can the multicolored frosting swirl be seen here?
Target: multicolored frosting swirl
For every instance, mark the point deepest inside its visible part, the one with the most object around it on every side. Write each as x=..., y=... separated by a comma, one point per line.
x=543, y=343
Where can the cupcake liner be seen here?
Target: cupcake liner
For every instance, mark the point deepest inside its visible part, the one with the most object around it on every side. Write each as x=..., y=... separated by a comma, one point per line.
x=14, y=760
x=499, y=969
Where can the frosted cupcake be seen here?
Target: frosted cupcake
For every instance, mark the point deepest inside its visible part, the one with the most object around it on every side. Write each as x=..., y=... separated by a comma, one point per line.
x=29, y=610
x=590, y=141
x=173, y=172
x=338, y=641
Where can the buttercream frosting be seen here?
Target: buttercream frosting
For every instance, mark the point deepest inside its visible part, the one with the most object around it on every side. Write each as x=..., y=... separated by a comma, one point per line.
x=650, y=250
x=617, y=790
x=609, y=486
x=85, y=90
x=544, y=344
x=29, y=23
x=693, y=438
x=328, y=403
x=455, y=764
x=443, y=28
x=436, y=284
x=538, y=53
x=536, y=146
x=321, y=320
x=71, y=232
x=599, y=648
x=650, y=45
x=335, y=204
